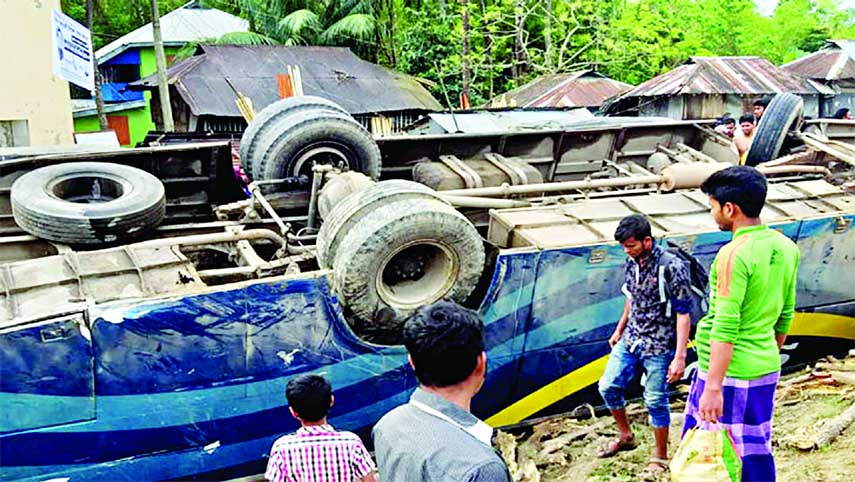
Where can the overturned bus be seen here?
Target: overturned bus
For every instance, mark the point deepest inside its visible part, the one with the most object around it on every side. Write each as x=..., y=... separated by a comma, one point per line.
x=154, y=340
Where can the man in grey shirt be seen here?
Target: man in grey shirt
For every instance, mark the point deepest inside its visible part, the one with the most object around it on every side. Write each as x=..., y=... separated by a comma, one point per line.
x=434, y=437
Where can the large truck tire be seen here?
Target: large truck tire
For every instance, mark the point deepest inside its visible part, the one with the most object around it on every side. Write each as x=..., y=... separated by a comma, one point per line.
x=350, y=211
x=88, y=203
x=271, y=115
x=403, y=255
x=309, y=137
x=782, y=115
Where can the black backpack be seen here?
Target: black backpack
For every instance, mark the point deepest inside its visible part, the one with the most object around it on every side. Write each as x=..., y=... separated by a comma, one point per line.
x=699, y=282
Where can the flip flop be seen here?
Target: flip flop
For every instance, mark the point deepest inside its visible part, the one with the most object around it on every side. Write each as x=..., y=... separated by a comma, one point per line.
x=615, y=446
x=655, y=466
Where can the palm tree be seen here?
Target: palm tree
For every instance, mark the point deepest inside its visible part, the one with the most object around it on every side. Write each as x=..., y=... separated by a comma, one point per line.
x=319, y=22
x=231, y=38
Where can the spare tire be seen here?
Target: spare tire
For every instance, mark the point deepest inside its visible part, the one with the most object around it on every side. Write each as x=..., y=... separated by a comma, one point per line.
x=782, y=115
x=88, y=203
x=271, y=115
x=403, y=255
x=350, y=211
x=305, y=138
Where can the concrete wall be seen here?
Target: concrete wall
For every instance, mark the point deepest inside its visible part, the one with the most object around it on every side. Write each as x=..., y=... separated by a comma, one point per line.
x=139, y=123
x=28, y=89
x=86, y=124
x=139, y=120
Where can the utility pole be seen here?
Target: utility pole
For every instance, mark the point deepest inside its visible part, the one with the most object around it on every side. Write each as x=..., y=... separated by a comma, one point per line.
x=99, y=97
x=160, y=57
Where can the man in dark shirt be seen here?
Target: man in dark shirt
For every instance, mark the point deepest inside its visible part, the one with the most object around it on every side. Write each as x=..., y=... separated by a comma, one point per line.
x=647, y=336
x=434, y=437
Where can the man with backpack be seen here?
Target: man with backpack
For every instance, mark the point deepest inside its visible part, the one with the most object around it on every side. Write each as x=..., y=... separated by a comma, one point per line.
x=651, y=335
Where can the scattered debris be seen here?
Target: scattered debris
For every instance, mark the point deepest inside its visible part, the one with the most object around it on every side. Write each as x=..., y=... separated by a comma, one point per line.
x=832, y=429
x=814, y=435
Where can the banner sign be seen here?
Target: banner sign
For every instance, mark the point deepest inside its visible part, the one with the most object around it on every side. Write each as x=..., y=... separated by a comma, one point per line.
x=72, y=51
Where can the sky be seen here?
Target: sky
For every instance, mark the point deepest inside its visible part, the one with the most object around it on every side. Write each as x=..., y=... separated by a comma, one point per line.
x=767, y=7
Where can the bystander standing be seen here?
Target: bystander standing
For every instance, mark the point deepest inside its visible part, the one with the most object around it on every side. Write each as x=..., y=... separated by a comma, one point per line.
x=317, y=452
x=752, y=302
x=435, y=437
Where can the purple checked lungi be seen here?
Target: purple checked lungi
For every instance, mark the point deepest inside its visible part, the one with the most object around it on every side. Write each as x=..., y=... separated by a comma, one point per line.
x=748, y=407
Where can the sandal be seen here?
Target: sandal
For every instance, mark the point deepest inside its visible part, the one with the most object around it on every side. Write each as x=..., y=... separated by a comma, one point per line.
x=656, y=466
x=615, y=446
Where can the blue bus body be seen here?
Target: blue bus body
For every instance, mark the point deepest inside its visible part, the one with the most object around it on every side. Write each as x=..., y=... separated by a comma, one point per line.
x=169, y=387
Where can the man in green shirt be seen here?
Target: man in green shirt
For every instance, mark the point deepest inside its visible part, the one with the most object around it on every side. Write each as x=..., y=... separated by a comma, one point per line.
x=752, y=300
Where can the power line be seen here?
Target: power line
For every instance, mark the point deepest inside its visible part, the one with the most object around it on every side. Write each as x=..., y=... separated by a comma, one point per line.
x=105, y=34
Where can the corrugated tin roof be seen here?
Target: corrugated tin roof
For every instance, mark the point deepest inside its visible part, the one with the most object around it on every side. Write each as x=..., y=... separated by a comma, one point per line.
x=334, y=73
x=86, y=107
x=190, y=23
x=726, y=75
x=583, y=88
x=835, y=61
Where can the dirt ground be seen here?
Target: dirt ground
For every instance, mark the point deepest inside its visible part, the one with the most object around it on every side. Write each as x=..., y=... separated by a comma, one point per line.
x=563, y=449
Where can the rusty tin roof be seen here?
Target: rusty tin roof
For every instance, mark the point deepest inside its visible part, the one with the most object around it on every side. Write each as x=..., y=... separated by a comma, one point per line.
x=584, y=88
x=726, y=75
x=835, y=61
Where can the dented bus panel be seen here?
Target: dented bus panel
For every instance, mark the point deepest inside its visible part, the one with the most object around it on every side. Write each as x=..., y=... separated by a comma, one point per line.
x=170, y=378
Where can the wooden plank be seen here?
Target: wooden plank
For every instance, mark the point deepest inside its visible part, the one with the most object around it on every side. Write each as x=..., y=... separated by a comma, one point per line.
x=821, y=145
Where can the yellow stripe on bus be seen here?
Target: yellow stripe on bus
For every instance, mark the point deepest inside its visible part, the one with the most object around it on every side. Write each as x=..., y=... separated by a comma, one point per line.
x=823, y=324
x=804, y=324
x=551, y=393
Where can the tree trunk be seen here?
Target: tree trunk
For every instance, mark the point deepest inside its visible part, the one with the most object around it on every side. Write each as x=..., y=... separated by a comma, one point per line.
x=392, y=51
x=488, y=48
x=442, y=8
x=547, y=34
x=465, y=55
x=517, y=67
x=385, y=32
x=160, y=58
x=99, y=97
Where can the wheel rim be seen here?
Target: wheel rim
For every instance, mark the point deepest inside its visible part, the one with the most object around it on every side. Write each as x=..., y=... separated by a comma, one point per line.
x=417, y=273
x=88, y=189
x=333, y=153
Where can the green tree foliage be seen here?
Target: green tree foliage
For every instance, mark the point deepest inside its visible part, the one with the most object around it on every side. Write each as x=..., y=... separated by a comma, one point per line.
x=231, y=38
x=318, y=22
x=429, y=48
x=114, y=18
x=351, y=23
x=513, y=41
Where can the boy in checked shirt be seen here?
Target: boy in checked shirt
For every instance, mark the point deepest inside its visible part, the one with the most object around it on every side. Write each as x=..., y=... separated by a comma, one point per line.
x=317, y=452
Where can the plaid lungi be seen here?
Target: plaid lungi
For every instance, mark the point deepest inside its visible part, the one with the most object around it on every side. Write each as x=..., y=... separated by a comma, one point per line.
x=748, y=407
